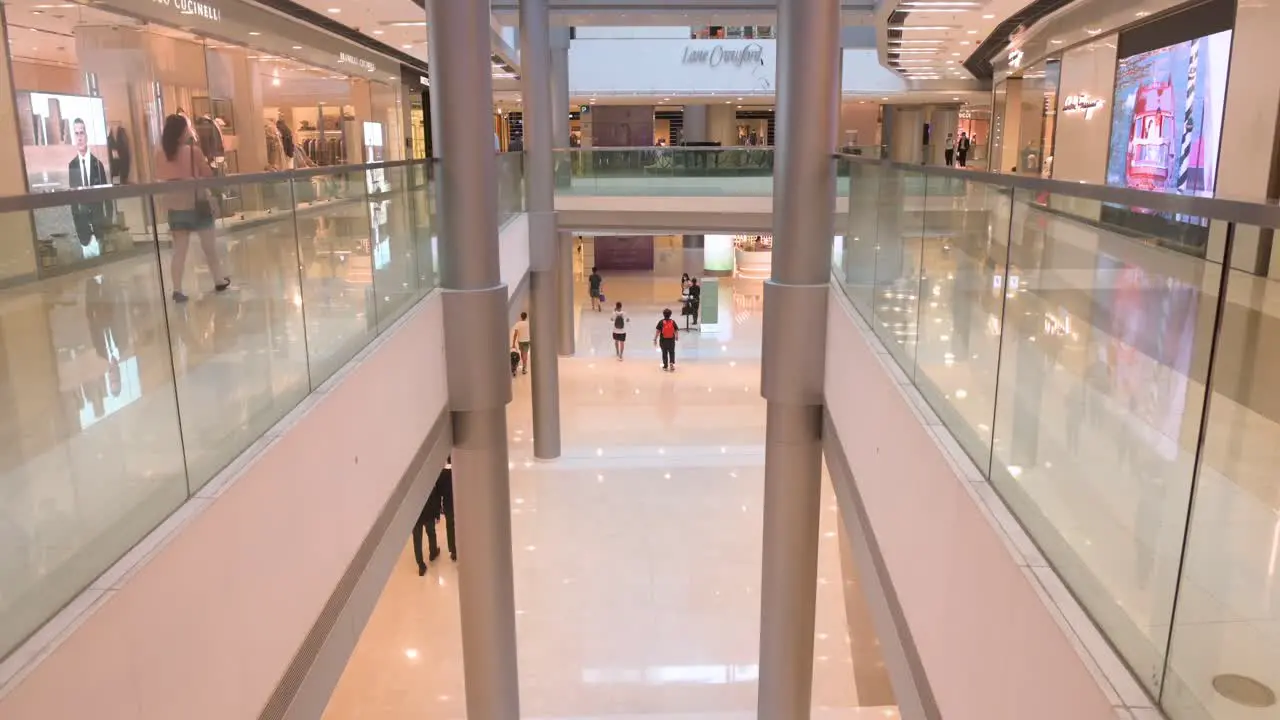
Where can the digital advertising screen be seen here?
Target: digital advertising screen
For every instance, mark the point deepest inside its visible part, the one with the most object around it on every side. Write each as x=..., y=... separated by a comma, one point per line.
x=1166, y=131
x=1167, y=117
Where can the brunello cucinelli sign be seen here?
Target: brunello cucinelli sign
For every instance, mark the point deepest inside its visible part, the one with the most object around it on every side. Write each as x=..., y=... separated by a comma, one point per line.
x=359, y=62
x=193, y=8
x=749, y=55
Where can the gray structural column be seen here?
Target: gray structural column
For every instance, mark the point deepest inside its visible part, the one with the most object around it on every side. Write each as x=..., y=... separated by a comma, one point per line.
x=696, y=124
x=795, y=309
x=476, y=342
x=564, y=171
x=539, y=192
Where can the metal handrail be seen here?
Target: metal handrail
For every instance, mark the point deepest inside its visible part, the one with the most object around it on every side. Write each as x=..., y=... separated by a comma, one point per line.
x=60, y=198
x=1261, y=214
x=681, y=148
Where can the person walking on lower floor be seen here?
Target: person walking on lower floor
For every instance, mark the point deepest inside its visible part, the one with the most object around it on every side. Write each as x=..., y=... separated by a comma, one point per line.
x=962, y=149
x=439, y=502
x=620, y=321
x=593, y=289
x=665, y=336
x=520, y=341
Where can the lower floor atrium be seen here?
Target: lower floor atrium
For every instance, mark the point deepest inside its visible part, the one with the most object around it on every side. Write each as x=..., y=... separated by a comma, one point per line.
x=637, y=552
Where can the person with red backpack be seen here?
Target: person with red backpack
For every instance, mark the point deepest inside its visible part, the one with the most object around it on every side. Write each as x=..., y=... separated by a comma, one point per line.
x=665, y=337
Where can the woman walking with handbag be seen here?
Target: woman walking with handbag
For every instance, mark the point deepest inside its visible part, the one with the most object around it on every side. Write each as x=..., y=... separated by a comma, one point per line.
x=180, y=159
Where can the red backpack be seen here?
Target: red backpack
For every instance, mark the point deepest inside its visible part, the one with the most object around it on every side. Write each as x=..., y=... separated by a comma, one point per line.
x=669, y=329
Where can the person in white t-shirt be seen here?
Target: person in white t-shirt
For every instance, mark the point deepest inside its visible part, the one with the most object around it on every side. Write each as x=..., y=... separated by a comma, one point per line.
x=620, y=321
x=520, y=341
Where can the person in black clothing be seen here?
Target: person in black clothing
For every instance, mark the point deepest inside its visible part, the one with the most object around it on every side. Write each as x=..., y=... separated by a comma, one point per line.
x=439, y=502
x=695, y=300
x=665, y=336
x=594, y=281
x=962, y=149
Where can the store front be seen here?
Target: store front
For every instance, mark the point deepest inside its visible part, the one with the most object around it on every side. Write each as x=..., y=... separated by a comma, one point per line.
x=415, y=93
x=1142, y=107
x=96, y=82
x=1026, y=108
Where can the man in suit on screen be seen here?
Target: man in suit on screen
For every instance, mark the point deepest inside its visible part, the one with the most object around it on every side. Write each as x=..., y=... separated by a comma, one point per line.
x=85, y=170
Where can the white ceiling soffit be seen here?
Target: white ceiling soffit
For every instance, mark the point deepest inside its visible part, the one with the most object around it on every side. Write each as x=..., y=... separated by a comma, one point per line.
x=926, y=41
x=501, y=48
x=1079, y=22
x=662, y=12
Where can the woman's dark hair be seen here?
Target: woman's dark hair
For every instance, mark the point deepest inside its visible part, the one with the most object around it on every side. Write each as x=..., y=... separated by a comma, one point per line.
x=173, y=135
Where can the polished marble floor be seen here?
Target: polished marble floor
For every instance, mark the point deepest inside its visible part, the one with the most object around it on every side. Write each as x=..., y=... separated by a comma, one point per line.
x=637, y=552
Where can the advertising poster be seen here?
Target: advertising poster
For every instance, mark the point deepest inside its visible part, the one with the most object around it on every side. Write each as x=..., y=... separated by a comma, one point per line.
x=54, y=130
x=1167, y=118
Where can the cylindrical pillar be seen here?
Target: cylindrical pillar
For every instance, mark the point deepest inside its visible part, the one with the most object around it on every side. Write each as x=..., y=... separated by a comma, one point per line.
x=485, y=579
x=693, y=254
x=793, y=361
x=564, y=177
x=539, y=191
x=560, y=107
x=475, y=337
x=696, y=127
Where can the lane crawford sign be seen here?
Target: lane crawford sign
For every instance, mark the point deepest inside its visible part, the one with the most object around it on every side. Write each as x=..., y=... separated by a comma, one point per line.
x=749, y=55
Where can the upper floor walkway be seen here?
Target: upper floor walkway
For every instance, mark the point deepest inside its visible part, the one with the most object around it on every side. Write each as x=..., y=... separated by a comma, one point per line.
x=1093, y=359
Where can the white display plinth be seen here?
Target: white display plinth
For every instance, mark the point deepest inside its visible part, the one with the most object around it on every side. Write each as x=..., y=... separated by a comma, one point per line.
x=754, y=264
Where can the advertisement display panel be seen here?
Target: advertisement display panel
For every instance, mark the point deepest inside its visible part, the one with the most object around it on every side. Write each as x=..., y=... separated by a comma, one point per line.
x=1166, y=129
x=1167, y=119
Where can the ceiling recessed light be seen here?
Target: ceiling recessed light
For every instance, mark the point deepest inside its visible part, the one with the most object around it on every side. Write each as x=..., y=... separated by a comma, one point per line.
x=407, y=46
x=1056, y=42
x=335, y=11
x=378, y=32
x=988, y=17
x=965, y=42
x=297, y=47
x=972, y=32
x=254, y=32
x=955, y=54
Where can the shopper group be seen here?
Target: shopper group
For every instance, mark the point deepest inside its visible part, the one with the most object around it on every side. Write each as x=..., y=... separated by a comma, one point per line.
x=956, y=152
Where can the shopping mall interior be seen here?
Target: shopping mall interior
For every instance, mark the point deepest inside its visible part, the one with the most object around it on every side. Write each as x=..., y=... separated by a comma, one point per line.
x=569, y=359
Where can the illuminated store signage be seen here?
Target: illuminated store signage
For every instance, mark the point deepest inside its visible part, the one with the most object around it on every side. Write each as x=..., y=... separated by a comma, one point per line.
x=345, y=58
x=746, y=56
x=193, y=7
x=1081, y=103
